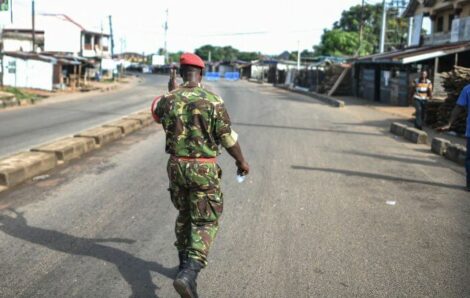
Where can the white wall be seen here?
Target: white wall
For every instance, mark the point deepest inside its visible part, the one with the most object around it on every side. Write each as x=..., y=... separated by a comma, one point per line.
x=60, y=35
x=29, y=73
x=13, y=45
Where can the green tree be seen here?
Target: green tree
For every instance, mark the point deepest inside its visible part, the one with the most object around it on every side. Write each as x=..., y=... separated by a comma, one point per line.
x=343, y=38
x=338, y=42
x=226, y=53
x=174, y=57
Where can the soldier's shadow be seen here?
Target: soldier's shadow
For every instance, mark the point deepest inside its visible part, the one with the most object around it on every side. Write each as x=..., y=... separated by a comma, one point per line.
x=134, y=270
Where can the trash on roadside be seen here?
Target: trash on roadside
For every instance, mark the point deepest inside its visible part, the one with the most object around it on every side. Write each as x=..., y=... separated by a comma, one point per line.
x=391, y=203
x=40, y=178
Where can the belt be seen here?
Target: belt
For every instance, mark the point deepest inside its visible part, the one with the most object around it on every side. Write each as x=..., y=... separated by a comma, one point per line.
x=197, y=159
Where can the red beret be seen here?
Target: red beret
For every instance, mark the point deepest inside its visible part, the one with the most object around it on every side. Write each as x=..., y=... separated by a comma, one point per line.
x=191, y=59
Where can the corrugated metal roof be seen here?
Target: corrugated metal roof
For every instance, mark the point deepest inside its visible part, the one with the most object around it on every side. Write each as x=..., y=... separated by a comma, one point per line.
x=411, y=55
x=45, y=58
x=410, y=8
x=31, y=56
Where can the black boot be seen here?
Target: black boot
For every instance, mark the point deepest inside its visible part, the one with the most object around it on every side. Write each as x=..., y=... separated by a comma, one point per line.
x=183, y=256
x=185, y=282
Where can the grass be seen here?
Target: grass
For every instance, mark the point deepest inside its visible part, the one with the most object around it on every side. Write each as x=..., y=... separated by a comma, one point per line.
x=19, y=94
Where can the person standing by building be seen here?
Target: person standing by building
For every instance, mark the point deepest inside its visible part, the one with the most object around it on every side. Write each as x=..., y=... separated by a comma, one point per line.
x=196, y=124
x=463, y=103
x=422, y=94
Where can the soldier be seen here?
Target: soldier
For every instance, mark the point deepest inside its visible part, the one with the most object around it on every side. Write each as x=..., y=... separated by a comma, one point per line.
x=196, y=123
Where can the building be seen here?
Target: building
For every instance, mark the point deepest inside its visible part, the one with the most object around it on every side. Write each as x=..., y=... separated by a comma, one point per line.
x=131, y=57
x=387, y=77
x=21, y=40
x=64, y=35
x=37, y=71
x=450, y=21
x=64, y=54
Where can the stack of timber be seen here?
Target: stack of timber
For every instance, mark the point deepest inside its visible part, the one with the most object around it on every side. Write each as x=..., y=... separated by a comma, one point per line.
x=453, y=83
x=332, y=75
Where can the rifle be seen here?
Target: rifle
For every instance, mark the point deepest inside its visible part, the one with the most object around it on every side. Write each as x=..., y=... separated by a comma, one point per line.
x=172, y=81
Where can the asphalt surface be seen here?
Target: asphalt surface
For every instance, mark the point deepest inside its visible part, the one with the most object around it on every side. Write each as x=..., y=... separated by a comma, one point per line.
x=312, y=220
x=22, y=128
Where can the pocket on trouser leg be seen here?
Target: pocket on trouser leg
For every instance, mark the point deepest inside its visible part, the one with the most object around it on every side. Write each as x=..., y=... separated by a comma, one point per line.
x=206, y=206
x=206, y=209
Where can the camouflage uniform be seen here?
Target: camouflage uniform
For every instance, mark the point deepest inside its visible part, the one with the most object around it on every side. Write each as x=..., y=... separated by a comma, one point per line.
x=196, y=124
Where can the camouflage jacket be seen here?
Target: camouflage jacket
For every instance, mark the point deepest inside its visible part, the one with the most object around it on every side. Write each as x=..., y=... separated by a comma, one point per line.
x=195, y=121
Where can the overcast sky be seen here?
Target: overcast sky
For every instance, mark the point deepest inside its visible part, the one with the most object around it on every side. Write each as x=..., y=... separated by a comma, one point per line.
x=266, y=26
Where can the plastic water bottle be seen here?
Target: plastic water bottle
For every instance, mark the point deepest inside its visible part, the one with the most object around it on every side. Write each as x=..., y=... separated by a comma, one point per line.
x=240, y=178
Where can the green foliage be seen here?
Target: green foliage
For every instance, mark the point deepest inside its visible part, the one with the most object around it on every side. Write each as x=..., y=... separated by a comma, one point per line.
x=20, y=94
x=226, y=53
x=343, y=39
x=338, y=42
x=174, y=57
x=303, y=55
x=249, y=56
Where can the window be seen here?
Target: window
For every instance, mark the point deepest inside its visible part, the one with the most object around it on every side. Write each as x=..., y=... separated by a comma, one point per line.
x=87, y=39
x=451, y=18
x=440, y=24
x=87, y=45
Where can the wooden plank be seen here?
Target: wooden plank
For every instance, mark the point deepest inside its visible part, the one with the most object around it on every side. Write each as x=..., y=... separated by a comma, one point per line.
x=338, y=82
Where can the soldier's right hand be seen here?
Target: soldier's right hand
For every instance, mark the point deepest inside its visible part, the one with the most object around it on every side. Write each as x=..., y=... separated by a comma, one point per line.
x=243, y=168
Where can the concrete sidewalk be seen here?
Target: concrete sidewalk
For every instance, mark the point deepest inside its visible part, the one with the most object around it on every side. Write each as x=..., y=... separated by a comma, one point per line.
x=394, y=114
x=98, y=89
x=128, y=83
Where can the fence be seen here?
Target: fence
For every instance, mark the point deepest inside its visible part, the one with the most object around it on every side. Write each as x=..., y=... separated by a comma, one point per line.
x=232, y=76
x=212, y=76
x=229, y=76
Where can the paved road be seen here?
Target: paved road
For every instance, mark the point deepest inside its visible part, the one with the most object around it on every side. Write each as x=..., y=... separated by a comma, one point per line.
x=22, y=128
x=311, y=221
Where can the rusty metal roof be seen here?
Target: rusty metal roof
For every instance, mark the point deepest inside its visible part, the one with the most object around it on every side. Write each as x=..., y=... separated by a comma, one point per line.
x=416, y=54
x=45, y=58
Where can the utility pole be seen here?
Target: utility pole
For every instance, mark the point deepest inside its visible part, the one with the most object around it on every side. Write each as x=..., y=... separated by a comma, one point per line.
x=111, y=34
x=298, y=55
x=166, y=35
x=384, y=27
x=33, y=19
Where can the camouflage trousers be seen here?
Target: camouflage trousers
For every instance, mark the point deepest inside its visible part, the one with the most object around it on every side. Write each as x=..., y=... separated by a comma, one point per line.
x=195, y=192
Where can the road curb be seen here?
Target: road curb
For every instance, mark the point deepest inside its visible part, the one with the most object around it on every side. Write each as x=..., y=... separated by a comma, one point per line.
x=398, y=129
x=23, y=166
x=415, y=136
x=126, y=126
x=411, y=134
x=145, y=119
x=456, y=153
x=321, y=97
x=439, y=146
x=442, y=147
x=102, y=135
x=68, y=148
